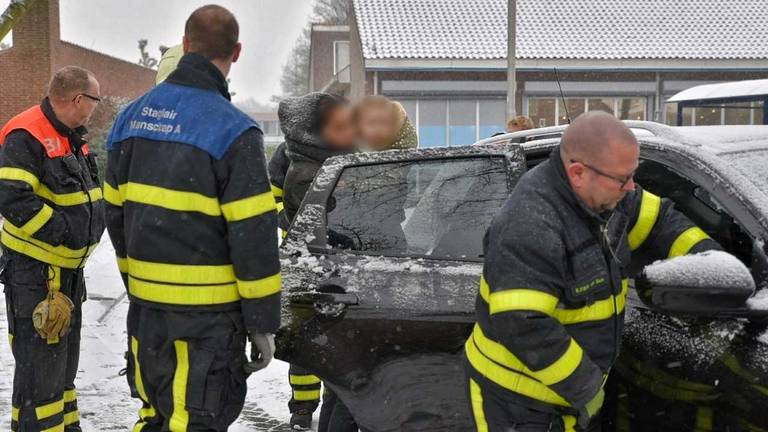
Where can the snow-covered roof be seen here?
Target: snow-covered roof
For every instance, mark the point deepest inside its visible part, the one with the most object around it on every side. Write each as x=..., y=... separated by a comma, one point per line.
x=556, y=29
x=723, y=90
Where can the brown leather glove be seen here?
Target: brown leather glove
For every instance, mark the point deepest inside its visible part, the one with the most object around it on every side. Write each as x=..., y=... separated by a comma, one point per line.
x=52, y=316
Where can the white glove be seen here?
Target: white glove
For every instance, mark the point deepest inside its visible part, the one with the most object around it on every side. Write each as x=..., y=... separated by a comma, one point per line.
x=262, y=351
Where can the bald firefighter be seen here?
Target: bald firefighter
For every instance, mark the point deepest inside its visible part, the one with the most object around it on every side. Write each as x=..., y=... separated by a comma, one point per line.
x=193, y=222
x=51, y=201
x=550, y=311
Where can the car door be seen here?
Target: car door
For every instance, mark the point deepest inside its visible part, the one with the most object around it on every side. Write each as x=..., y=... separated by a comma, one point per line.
x=381, y=269
x=694, y=374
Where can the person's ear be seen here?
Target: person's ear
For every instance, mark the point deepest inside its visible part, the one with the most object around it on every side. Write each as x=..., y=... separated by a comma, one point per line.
x=576, y=174
x=185, y=44
x=236, y=52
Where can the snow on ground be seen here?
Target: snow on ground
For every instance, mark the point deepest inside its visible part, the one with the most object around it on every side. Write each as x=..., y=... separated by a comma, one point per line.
x=104, y=400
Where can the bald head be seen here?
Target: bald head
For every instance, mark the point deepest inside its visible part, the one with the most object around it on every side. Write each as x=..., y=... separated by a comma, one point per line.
x=212, y=31
x=592, y=134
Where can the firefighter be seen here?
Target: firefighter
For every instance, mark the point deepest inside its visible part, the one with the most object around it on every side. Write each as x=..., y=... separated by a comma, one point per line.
x=54, y=216
x=550, y=311
x=278, y=167
x=193, y=222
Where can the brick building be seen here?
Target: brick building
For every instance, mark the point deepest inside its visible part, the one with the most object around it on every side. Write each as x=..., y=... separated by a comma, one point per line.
x=38, y=51
x=445, y=61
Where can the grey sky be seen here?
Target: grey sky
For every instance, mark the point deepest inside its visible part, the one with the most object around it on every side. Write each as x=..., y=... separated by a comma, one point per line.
x=268, y=31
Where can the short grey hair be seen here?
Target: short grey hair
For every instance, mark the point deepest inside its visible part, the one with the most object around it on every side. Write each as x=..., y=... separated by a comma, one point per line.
x=68, y=82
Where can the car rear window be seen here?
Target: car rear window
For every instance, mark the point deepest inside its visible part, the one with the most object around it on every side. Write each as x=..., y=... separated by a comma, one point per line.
x=433, y=208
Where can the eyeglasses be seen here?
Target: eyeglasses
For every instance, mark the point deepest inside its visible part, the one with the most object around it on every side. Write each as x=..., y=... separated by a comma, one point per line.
x=93, y=98
x=623, y=181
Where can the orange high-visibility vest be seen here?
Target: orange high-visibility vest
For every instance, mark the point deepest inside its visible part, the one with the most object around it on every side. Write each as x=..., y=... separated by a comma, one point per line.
x=37, y=124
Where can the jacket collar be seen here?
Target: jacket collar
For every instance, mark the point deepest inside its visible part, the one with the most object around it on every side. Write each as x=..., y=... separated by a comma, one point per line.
x=566, y=191
x=194, y=70
x=300, y=150
x=75, y=135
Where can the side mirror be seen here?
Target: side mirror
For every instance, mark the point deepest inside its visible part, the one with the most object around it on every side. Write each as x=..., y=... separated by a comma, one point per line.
x=707, y=284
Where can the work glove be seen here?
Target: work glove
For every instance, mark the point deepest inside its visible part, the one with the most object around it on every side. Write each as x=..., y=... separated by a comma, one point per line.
x=591, y=409
x=51, y=317
x=262, y=351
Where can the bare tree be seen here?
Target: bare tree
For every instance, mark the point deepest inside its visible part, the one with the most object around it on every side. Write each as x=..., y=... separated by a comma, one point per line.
x=146, y=60
x=295, y=78
x=12, y=15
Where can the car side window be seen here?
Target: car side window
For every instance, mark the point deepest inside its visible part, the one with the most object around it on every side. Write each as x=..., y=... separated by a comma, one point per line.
x=434, y=208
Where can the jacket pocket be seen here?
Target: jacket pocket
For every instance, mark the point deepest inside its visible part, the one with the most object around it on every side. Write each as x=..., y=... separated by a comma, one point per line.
x=590, y=280
x=205, y=385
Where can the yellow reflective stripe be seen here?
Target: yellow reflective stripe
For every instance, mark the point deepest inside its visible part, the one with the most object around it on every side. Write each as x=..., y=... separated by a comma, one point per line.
x=181, y=273
x=248, y=207
x=18, y=174
x=139, y=426
x=687, y=240
x=112, y=195
x=169, y=199
x=513, y=381
x=476, y=396
x=704, y=419
x=556, y=372
x=137, y=370
x=306, y=395
x=37, y=221
x=277, y=192
x=58, y=428
x=24, y=247
x=303, y=379
x=665, y=385
x=48, y=410
x=569, y=423
x=70, y=396
x=180, y=416
x=69, y=199
x=14, y=414
x=599, y=310
x=183, y=294
x=60, y=250
x=280, y=206
x=650, y=205
x=122, y=264
x=71, y=418
x=522, y=299
x=261, y=287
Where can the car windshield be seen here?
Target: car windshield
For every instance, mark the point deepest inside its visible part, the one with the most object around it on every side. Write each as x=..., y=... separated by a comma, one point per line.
x=436, y=208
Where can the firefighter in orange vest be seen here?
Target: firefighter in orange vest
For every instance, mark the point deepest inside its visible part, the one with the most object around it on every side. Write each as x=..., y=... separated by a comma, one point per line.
x=53, y=213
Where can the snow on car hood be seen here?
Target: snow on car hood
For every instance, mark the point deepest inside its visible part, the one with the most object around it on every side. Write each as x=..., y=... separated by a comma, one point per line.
x=711, y=268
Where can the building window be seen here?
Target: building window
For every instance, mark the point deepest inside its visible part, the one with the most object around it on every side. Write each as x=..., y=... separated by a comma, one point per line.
x=744, y=113
x=447, y=122
x=551, y=111
x=340, y=56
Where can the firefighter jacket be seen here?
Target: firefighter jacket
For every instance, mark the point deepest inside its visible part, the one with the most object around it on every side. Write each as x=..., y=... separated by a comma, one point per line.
x=49, y=190
x=278, y=167
x=189, y=206
x=550, y=311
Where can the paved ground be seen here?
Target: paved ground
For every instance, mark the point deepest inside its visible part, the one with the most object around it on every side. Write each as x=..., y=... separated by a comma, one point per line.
x=105, y=404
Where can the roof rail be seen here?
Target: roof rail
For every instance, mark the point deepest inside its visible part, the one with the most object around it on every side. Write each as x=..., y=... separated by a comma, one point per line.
x=656, y=129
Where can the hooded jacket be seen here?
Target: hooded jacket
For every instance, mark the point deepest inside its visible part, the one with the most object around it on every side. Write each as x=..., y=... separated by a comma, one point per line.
x=550, y=312
x=190, y=211
x=278, y=167
x=305, y=149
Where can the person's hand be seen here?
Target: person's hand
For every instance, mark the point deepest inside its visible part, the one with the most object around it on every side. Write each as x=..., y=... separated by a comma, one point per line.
x=262, y=351
x=591, y=409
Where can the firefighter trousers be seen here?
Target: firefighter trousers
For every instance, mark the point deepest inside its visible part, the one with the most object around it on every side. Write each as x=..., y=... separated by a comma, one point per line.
x=492, y=413
x=44, y=396
x=305, y=390
x=186, y=368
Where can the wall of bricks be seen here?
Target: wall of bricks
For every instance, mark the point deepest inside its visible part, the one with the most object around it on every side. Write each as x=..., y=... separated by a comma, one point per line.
x=38, y=51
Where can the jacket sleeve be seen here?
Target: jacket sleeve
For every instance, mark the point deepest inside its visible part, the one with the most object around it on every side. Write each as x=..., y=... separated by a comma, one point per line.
x=114, y=211
x=523, y=276
x=21, y=175
x=658, y=231
x=278, y=167
x=248, y=206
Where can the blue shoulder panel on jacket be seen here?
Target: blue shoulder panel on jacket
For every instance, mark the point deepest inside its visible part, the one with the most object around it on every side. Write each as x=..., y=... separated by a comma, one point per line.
x=189, y=115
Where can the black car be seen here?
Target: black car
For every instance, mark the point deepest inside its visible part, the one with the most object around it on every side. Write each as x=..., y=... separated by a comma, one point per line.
x=381, y=270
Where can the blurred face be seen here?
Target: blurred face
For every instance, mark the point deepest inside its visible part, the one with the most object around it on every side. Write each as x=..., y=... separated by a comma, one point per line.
x=602, y=182
x=339, y=129
x=83, y=104
x=377, y=127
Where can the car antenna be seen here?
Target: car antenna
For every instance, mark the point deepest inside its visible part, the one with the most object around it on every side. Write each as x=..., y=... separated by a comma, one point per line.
x=562, y=96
